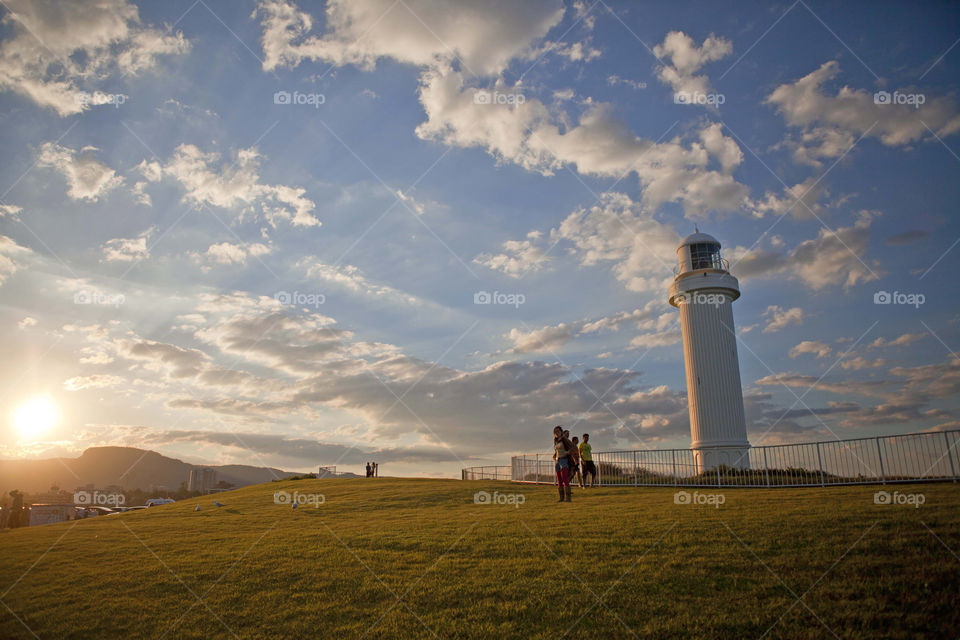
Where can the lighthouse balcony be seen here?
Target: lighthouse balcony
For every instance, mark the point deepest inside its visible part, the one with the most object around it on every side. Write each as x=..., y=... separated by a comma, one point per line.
x=703, y=281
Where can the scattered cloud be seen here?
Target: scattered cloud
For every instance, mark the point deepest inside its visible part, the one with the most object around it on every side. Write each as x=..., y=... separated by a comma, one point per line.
x=226, y=253
x=835, y=118
x=127, y=249
x=814, y=347
x=686, y=58
x=10, y=252
x=834, y=257
x=483, y=38
x=235, y=185
x=779, y=318
x=87, y=177
x=58, y=49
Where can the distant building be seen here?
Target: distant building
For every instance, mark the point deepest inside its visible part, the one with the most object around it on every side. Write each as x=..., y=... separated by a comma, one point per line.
x=51, y=513
x=202, y=480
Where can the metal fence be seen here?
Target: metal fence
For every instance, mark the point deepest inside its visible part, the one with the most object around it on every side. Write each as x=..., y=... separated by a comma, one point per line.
x=486, y=473
x=915, y=457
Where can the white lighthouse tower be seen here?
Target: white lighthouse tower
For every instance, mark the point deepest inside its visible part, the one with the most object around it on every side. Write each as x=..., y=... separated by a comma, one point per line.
x=703, y=291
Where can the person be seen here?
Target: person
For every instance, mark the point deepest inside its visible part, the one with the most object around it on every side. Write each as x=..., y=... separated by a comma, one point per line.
x=369, y=469
x=561, y=454
x=575, y=458
x=586, y=462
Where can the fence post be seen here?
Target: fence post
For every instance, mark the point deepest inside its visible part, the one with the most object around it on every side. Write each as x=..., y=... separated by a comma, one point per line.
x=953, y=469
x=883, y=475
x=820, y=463
x=718, y=476
x=674, y=467
x=766, y=468
x=636, y=478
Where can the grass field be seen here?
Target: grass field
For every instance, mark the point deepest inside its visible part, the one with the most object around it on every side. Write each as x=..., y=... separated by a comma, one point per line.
x=405, y=558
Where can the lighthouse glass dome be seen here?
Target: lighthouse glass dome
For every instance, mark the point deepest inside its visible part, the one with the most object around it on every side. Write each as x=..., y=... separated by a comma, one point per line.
x=705, y=255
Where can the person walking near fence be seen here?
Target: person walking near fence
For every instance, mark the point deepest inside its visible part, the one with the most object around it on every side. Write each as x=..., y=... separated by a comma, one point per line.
x=586, y=462
x=561, y=453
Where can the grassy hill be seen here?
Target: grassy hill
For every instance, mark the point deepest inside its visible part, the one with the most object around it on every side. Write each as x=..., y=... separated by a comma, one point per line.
x=409, y=558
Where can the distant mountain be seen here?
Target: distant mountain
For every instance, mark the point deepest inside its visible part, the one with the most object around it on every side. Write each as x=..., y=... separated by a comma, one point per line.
x=127, y=467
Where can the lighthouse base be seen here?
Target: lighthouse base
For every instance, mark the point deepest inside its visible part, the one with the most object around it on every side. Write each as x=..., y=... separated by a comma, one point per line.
x=709, y=458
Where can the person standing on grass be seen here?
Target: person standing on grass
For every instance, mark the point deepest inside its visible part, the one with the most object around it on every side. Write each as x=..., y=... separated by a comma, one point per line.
x=575, y=457
x=586, y=462
x=561, y=454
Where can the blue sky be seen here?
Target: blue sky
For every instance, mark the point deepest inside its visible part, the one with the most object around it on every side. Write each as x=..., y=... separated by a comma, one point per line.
x=193, y=264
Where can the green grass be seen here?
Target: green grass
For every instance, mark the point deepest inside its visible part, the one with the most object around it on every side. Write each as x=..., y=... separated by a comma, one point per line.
x=410, y=558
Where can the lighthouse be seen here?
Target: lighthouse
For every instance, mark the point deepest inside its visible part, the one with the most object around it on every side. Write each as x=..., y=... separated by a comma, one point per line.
x=704, y=291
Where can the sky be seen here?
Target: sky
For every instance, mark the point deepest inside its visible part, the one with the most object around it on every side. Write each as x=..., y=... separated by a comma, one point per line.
x=423, y=232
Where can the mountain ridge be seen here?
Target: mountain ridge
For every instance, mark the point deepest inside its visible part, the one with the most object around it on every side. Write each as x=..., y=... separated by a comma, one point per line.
x=127, y=467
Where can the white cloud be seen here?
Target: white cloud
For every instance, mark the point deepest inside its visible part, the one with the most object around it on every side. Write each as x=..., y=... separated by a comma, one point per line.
x=518, y=258
x=27, y=322
x=484, y=37
x=58, y=48
x=834, y=257
x=9, y=211
x=127, y=249
x=525, y=133
x=87, y=177
x=352, y=279
x=656, y=339
x=815, y=347
x=859, y=362
x=139, y=194
x=801, y=201
x=836, y=118
x=234, y=186
x=624, y=232
x=779, y=318
x=901, y=341
x=544, y=339
x=9, y=251
x=551, y=338
x=695, y=173
x=617, y=229
x=95, y=381
x=227, y=253
x=686, y=58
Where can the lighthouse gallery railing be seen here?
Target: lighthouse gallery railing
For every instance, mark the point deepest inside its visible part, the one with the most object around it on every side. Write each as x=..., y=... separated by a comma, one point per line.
x=915, y=457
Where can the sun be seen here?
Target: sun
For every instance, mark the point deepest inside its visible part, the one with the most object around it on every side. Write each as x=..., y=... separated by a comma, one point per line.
x=35, y=416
